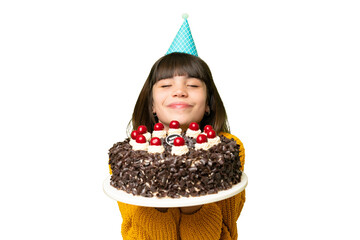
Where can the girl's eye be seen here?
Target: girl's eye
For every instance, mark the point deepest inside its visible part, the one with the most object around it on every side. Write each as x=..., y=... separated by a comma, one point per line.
x=165, y=86
x=194, y=86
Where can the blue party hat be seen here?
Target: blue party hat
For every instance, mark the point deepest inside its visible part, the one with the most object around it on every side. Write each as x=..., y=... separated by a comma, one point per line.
x=183, y=41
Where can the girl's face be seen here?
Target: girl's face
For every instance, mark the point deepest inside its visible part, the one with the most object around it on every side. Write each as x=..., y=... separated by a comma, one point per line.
x=179, y=98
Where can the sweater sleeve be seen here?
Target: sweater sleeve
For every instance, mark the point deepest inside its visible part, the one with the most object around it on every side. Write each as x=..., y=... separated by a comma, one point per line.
x=204, y=224
x=148, y=223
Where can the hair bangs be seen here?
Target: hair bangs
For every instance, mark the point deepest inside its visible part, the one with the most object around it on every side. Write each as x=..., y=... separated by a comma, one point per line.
x=179, y=65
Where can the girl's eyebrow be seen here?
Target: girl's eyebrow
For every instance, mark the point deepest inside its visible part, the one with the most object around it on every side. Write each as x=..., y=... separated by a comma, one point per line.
x=167, y=80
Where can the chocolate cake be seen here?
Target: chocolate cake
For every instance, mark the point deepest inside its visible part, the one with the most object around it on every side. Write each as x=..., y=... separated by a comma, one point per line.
x=164, y=174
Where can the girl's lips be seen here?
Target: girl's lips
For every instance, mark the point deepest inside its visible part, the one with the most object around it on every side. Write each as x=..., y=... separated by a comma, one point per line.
x=179, y=105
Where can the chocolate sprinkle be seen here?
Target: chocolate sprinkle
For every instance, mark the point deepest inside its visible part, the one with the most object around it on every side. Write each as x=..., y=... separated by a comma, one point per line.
x=195, y=173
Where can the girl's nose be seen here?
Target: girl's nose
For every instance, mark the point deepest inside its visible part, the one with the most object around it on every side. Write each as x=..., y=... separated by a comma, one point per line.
x=180, y=91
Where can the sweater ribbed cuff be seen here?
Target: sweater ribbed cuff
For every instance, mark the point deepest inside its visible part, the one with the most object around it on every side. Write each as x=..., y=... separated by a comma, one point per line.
x=156, y=224
x=204, y=224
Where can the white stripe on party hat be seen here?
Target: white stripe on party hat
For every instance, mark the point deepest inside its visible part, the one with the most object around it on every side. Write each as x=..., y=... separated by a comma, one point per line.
x=183, y=41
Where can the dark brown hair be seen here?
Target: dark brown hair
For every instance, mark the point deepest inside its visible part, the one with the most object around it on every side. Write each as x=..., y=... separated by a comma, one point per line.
x=179, y=64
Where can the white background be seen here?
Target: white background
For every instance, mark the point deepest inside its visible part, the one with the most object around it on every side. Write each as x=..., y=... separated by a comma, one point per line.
x=287, y=71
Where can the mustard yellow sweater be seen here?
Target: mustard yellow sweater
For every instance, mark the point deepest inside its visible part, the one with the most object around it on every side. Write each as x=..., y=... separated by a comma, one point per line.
x=212, y=221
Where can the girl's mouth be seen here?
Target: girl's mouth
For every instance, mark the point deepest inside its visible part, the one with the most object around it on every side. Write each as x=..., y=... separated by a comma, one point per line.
x=179, y=105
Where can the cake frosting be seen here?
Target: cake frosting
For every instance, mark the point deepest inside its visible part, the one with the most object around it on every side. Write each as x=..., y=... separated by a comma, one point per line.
x=193, y=130
x=159, y=131
x=140, y=146
x=159, y=134
x=174, y=131
x=192, y=133
x=147, y=136
x=156, y=149
x=132, y=142
x=214, y=141
x=204, y=146
x=179, y=150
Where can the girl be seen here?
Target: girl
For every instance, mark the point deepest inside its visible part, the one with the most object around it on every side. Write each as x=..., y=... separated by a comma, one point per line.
x=180, y=87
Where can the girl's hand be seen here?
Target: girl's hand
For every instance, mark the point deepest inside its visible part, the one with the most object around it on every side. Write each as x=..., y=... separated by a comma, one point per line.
x=190, y=210
x=162, y=209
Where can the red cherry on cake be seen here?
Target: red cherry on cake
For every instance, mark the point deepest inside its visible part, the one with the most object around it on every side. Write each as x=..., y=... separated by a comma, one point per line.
x=207, y=128
x=201, y=138
x=211, y=134
x=142, y=129
x=140, y=139
x=179, y=141
x=194, y=126
x=159, y=127
x=155, y=141
x=174, y=124
x=134, y=134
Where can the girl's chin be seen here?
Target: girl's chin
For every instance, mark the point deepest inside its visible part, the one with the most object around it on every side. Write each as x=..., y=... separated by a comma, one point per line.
x=184, y=123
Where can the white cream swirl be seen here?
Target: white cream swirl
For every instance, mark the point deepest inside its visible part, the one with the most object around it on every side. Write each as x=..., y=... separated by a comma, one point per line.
x=192, y=133
x=174, y=131
x=132, y=142
x=214, y=141
x=140, y=146
x=204, y=146
x=159, y=134
x=179, y=150
x=156, y=149
x=147, y=135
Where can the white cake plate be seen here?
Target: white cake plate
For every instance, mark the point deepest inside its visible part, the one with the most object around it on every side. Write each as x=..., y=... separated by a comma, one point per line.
x=168, y=202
